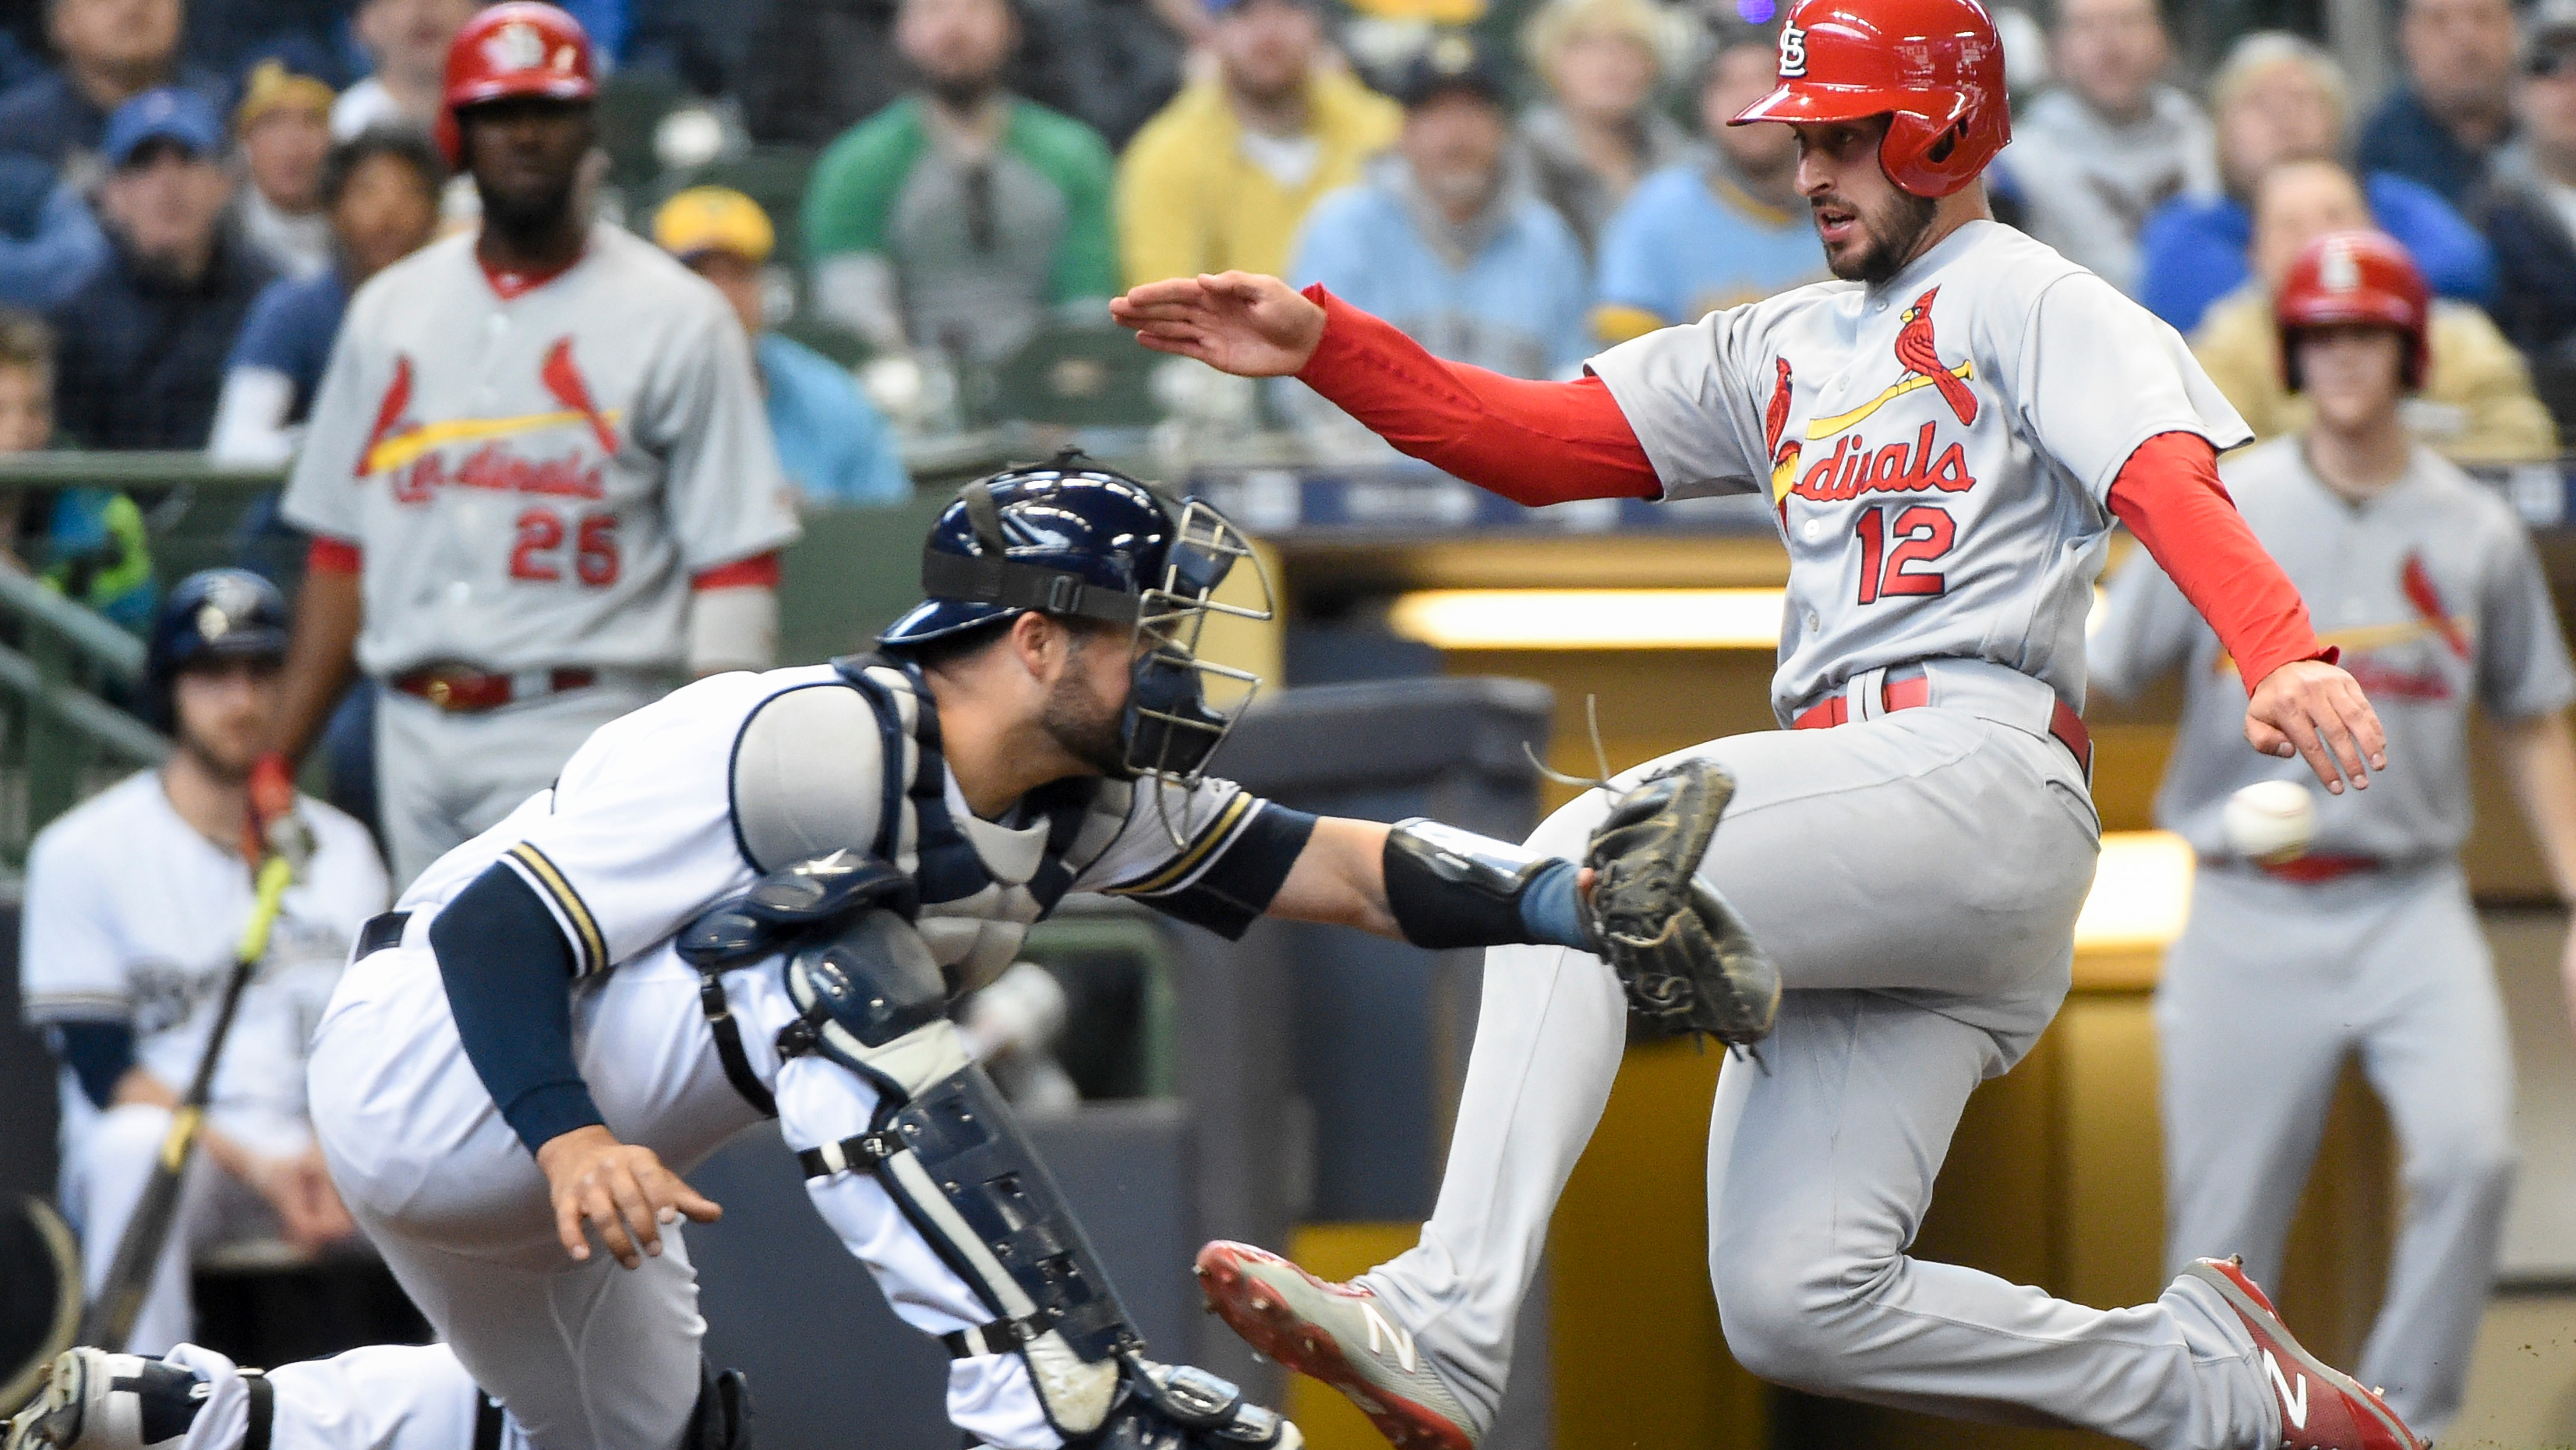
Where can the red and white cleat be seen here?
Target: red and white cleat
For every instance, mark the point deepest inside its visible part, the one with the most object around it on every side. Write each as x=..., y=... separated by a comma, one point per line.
x=1336, y=1333
x=2322, y=1408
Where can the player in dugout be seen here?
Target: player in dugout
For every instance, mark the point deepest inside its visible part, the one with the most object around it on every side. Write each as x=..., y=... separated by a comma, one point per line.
x=134, y=905
x=538, y=474
x=2367, y=939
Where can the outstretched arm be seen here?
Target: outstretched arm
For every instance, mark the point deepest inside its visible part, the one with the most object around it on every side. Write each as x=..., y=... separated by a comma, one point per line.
x=1532, y=442
x=1432, y=885
x=2302, y=703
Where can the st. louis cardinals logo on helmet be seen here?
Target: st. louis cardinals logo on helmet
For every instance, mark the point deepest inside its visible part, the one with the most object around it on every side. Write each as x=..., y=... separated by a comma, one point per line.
x=1793, y=52
x=515, y=46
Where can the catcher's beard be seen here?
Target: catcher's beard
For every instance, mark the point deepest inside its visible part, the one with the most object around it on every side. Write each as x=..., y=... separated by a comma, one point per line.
x=1895, y=233
x=1085, y=726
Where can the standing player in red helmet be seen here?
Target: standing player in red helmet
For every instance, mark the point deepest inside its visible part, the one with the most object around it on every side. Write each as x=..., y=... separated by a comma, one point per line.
x=2367, y=941
x=1947, y=434
x=539, y=476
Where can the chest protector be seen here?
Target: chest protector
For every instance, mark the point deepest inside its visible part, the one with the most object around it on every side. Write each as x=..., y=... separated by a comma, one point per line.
x=798, y=788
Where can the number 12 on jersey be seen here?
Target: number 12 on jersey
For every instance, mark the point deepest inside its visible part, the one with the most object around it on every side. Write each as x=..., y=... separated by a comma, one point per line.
x=1889, y=552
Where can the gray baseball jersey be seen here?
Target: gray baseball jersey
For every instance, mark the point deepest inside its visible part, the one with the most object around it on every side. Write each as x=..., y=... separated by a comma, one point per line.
x=2436, y=598
x=1940, y=449
x=535, y=472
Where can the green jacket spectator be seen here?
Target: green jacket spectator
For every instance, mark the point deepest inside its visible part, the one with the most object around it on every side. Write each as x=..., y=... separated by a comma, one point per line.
x=961, y=216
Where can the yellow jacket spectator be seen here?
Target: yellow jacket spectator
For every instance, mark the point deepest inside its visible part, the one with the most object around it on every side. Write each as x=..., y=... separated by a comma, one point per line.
x=1223, y=176
x=2476, y=405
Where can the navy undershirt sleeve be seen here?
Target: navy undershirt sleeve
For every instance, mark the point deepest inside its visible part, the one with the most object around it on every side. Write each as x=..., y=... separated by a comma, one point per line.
x=1236, y=888
x=99, y=1054
x=508, y=972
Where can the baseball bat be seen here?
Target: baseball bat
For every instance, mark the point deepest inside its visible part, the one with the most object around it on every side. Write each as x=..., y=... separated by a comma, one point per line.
x=110, y=1318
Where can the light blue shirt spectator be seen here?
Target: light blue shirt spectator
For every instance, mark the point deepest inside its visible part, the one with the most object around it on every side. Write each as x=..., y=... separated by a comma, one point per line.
x=1505, y=291
x=1690, y=240
x=833, y=443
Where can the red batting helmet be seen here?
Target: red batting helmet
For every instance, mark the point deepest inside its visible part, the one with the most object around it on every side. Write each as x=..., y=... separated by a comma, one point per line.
x=522, y=48
x=1933, y=67
x=2355, y=278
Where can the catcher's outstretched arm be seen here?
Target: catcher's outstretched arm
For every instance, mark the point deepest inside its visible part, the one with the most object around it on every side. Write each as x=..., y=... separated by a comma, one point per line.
x=1432, y=885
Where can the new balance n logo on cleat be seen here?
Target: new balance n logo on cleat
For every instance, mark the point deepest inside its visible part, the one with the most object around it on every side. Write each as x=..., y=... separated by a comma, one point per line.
x=2294, y=1405
x=1394, y=1334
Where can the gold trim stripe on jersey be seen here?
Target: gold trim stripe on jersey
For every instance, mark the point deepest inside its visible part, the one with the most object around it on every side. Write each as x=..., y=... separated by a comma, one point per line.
x=1233, y=815
x=594, y=946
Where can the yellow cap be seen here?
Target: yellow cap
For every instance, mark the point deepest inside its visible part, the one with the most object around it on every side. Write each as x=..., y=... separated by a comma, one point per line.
x=273, y=87
x=706, y=219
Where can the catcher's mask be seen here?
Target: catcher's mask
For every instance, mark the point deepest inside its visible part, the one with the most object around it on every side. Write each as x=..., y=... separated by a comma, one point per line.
x=1074, y=540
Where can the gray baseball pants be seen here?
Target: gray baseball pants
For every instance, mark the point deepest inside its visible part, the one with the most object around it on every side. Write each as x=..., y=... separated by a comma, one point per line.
x=443, y=778
x=2270, y=985
x=1917, y=878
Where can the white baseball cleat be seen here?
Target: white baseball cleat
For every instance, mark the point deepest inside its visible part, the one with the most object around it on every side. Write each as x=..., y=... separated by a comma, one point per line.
x=1336, y=1333
x=93, y=1400
x=2322, y=1408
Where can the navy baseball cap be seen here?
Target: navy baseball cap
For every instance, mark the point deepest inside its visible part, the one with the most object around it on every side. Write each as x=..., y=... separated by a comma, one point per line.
x=1454, y=61
x=170, y=113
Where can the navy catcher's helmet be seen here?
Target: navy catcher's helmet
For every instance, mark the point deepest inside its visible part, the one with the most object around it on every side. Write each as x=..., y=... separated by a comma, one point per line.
x=213, y=614
x=1072, y=539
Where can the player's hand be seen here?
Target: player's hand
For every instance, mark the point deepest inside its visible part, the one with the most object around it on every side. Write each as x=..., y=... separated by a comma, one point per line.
x=309, y=1212
x=620, y=1189
x=2313, y=709
x=270, y=825
x=1236, y=322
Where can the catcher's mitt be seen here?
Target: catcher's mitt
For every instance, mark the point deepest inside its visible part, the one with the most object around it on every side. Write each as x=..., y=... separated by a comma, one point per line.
x=1681, y=952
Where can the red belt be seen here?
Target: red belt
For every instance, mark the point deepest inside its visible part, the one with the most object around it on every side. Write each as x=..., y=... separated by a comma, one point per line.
x=2064, y=725
x=2306, y=870
x=471, y=691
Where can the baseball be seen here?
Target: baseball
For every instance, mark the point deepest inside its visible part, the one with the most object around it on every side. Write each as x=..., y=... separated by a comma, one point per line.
x=2271, y=821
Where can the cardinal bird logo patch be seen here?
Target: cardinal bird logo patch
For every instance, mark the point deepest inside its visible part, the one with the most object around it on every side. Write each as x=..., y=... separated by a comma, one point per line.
x=1915, y=349
x=1920, y=356
x=2417, y=583
x=1775, y=421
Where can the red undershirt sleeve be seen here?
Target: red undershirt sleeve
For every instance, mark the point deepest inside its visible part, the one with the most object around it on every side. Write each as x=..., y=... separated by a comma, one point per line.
x=760, y=571
x=1534, y=443
x=327, y=555
x=2169, y=495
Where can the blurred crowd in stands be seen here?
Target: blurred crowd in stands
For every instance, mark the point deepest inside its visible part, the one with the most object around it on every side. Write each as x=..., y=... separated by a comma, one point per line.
x=191, y=189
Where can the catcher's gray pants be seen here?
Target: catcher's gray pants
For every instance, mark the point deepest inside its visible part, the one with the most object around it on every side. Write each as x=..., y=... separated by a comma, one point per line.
x=444, y=778
x=1917, y=878
x=2268, y=988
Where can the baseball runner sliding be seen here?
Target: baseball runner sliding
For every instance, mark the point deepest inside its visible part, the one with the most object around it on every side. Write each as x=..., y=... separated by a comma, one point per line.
x=1946, y=434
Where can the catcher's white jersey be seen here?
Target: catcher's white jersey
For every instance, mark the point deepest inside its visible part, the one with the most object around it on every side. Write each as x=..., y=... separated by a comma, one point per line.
x=1939, y=447
x=535, y=472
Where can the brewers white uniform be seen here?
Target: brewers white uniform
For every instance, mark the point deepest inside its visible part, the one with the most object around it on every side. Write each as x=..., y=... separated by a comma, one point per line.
x=132, y=916
x=1940, y=448
x=2368, y=943
x=637, y=837
x=535, y=470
